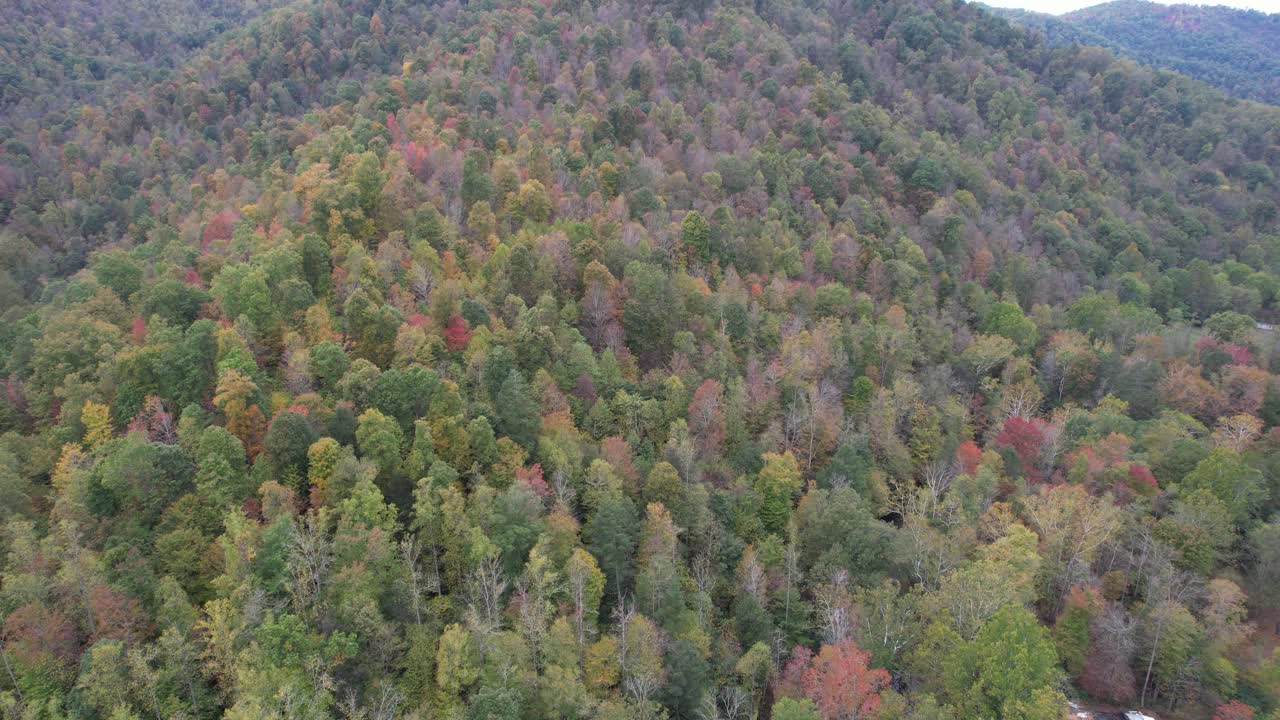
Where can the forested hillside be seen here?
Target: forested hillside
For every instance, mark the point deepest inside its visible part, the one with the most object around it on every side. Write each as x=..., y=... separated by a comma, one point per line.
x=56, y=53
x=1233, y=50
x=534, y=359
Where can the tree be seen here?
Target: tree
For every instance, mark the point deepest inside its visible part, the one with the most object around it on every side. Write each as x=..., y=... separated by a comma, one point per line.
x=1230, y=327
x=1025, y=437
x=456, y=667
x=1200, y=528
x=851, y=465
x=329, y=362
x=1234, y=710
x=1171, y=636
x=372, y=328
x=793, y=709
x=687, y=679
x=1003, y=575
x=695, y=233
x=457, y=335
x=889, y=623
x=221, y=473
x=585, y=587
x=495, y=703
x=516, y=413
x=837, y=531
x=777, y=484
x=987, y=353
x=142, y=477
x=641, y=655
x=1264, y=548
x=380, y=439
x=97, y=423
x=1225, y=474
x=841, y=685
x=1007, y=320
x=405, y=395
x=664, y=486
x=658, y=588
x=647, y=314
x=105, y=679
x=245, y=290
x=1237, y=432
x=1003, y=671
x=1108, y=669
x=116, y=270
x=706, y=417
x=476, y=183
x=236, y=397
x=611, y=533
x=1072, y=525
x=366, y=174
x=535, y=201
x=287, y=441
x=177, y=302
x=34, y=633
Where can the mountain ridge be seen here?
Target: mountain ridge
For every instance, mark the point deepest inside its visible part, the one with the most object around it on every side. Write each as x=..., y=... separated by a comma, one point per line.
x=1232, y=49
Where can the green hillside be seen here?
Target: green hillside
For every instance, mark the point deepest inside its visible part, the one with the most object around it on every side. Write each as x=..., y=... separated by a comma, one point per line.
x=1233, y=50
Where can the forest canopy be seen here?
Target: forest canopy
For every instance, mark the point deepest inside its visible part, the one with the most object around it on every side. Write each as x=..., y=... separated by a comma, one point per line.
x=629, y=360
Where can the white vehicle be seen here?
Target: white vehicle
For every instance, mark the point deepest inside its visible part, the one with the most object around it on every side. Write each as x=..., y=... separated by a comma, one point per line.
x=1079, y=713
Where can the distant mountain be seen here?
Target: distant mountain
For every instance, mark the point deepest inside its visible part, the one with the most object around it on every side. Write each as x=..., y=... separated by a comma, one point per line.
x=55, y=53
x=1234, y=50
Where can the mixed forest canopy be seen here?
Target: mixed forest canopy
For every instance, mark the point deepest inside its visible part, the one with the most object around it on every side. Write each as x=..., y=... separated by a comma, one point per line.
x=792, y=359
x=1233, y=50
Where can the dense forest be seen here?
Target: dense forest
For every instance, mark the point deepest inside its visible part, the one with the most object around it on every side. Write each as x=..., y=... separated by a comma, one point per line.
x=1233, y=50
x=790, y=359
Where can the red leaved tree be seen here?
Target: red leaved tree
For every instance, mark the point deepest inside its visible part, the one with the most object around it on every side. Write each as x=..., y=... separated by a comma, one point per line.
x=415, y=157
x=617, y=452
x=139, y=332
x=457, y=335
x=706, y=416
x=791, y=682
x=1025, y=437
x=219, y=228
x=842, y=686
x=34, y=633
x=968, y=455
x=531, y=477
x=116, y=616
x=1234, y=710
x=1142, y=480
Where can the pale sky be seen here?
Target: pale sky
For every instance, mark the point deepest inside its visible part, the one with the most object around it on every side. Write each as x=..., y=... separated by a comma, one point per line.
x=1060, y=6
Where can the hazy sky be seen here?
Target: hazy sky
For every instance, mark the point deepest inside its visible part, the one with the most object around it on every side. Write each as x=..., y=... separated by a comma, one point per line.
x=1061, y=6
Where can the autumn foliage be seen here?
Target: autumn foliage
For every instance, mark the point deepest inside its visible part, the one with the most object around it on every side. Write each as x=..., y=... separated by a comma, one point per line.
x=839, y=682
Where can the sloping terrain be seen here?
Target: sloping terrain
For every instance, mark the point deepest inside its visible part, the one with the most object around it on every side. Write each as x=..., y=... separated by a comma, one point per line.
x=1233, y=50
x=538, y=359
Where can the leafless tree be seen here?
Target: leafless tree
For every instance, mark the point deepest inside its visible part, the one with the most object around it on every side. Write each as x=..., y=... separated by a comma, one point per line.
x=791, y=573
x=533, y=594
x=704, y=578
x=309, y=562
x=1166, y=587
x=562, y=489
x=487, y=585
x=835, y=609
x=729, y=703
x=419, y=582
x=380, y=705
x=421, y=282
